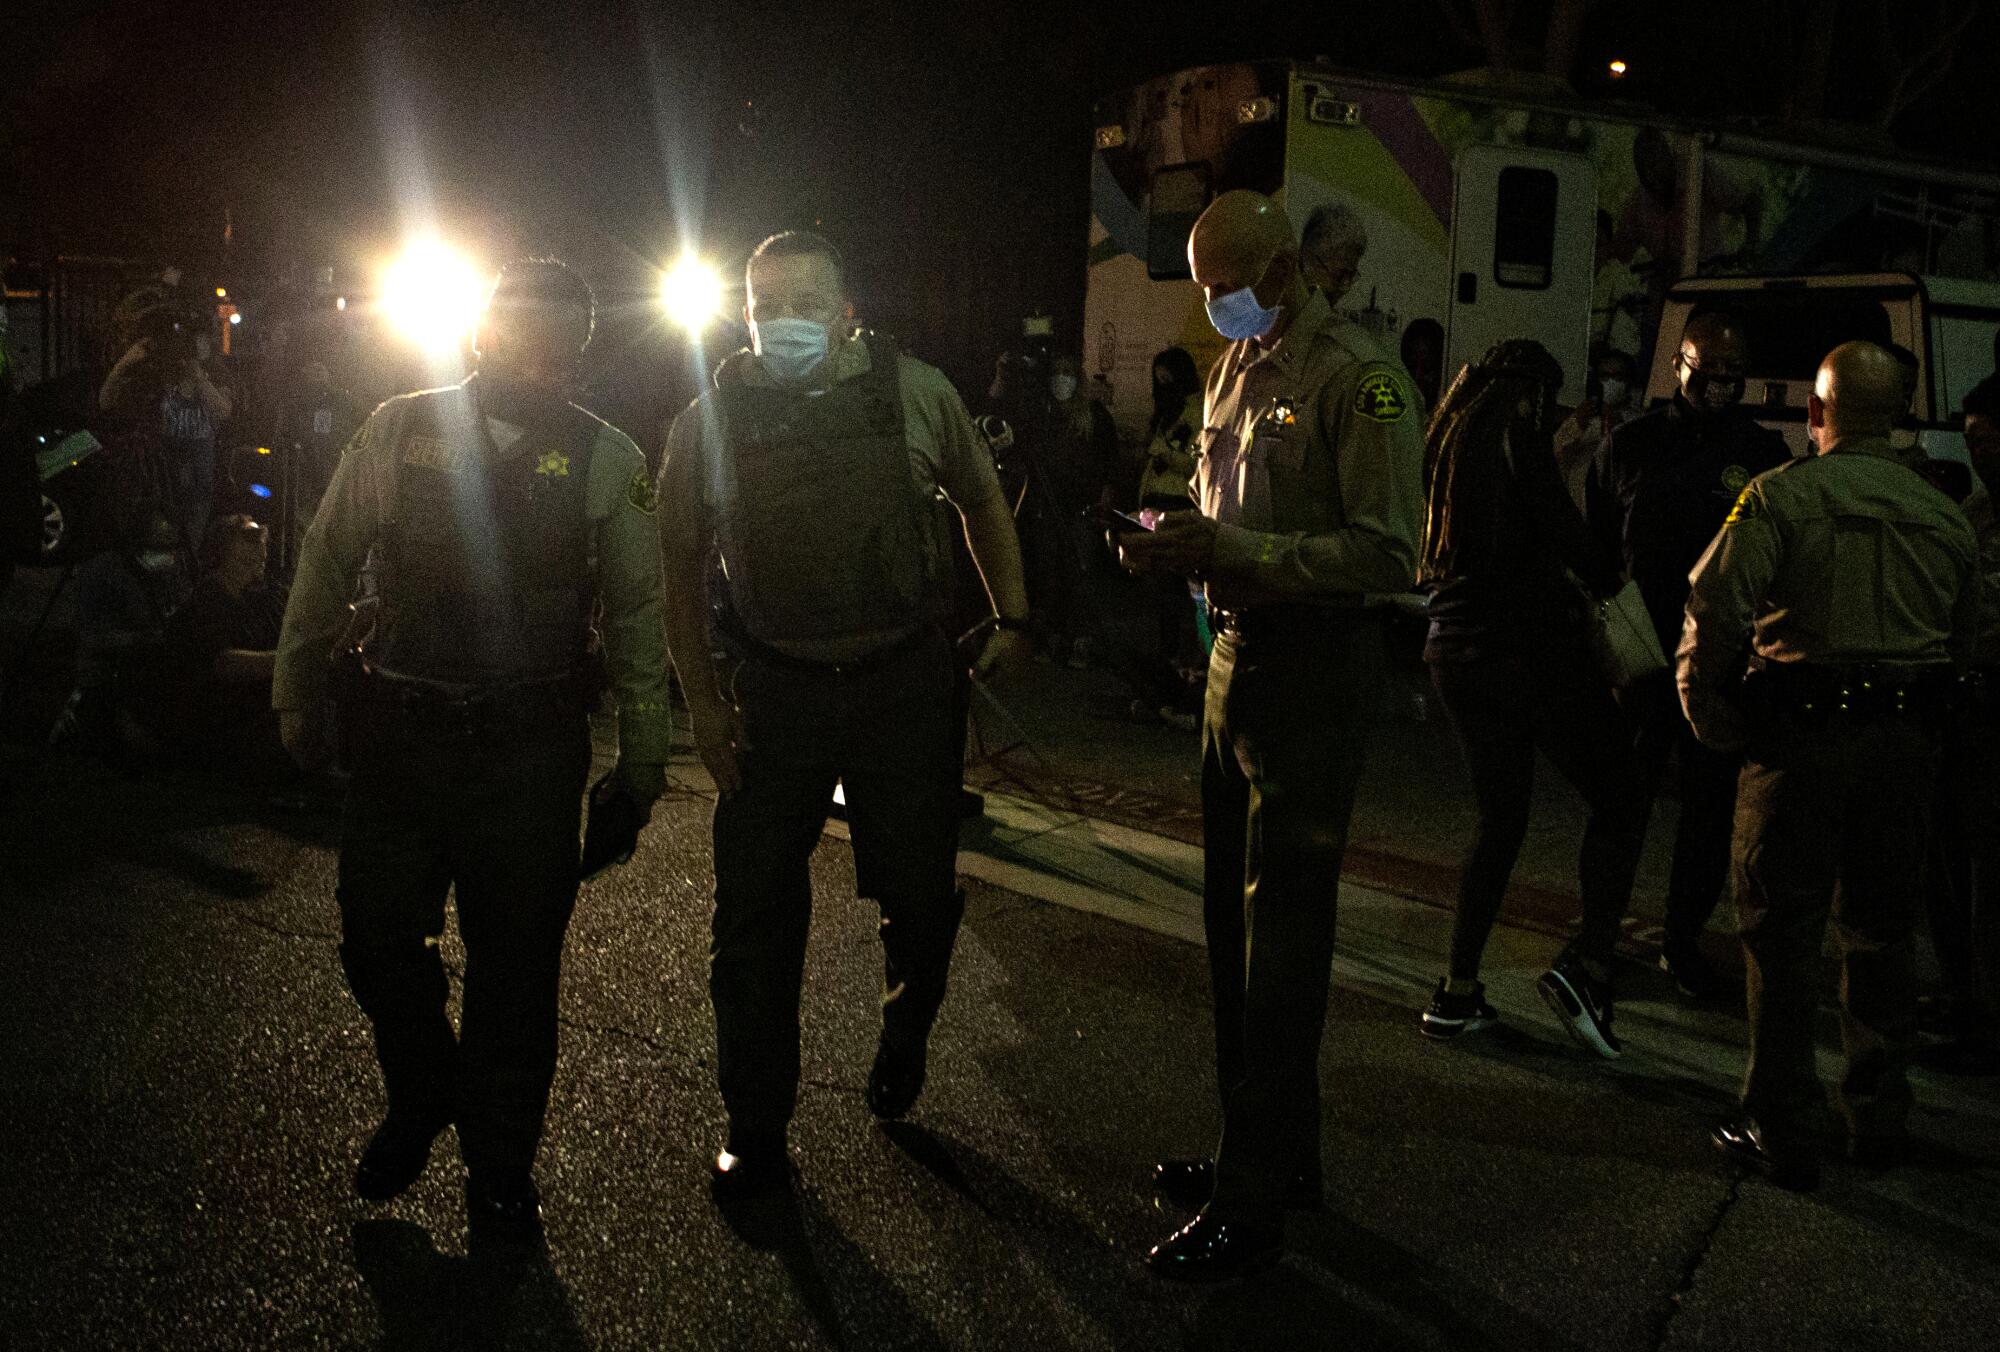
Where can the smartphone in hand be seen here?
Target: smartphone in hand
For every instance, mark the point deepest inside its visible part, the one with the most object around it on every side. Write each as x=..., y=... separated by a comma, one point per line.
x=1117, y=522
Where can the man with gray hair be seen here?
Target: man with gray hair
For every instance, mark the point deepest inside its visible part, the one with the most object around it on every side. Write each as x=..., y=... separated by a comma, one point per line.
x=1331, y=248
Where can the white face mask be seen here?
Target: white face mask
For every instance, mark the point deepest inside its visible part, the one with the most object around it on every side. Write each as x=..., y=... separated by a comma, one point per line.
x=1615, y=392
x=1063, y=388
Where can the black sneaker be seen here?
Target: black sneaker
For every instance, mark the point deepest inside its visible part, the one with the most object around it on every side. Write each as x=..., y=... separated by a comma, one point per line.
x=1581, y=1003
x=1694, y=975
x=1450, y=1015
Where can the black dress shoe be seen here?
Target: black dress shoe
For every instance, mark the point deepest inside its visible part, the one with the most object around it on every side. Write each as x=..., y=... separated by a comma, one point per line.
x=744, y=1178
x=1211, y=1250
x=396, y=1155
x=1791, y=1165
x=1189, y=1184
x=897, y=1077
x=503, y=1214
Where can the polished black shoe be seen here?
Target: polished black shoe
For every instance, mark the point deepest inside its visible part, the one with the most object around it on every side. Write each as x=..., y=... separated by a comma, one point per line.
x=396, y=1155
x=1211, y=1250
x=897, y=1077
x=1878, y=1154
x=1790, y=1165
x=503, y=1215
x=744, y=1178
x=1189, y=1184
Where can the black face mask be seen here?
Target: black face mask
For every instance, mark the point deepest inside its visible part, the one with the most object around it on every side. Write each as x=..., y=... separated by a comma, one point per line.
x=1711, y=394
x=518, y=403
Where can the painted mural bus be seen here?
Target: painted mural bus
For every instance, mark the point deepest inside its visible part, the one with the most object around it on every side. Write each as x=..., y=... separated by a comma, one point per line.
x=1493, y=215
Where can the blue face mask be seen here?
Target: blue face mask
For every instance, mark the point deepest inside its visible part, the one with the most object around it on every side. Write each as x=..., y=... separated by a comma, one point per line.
x=791, y=348
x=1237, y=315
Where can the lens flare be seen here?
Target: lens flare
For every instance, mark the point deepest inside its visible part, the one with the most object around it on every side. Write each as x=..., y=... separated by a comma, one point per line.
x=432, y=296
x=691, y=293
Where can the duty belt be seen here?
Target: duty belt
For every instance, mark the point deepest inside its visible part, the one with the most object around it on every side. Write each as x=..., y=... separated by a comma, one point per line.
x=471, y=709
x=1818, y=694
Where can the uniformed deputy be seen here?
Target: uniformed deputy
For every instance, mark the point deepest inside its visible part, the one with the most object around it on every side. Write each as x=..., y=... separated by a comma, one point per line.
x=812, y=472
x=496, y=510
x=1655, y=496
x=1310, y=488
x=1851, y=581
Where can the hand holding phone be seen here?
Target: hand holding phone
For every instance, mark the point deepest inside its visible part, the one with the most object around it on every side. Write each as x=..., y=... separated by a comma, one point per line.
x=1117, y=522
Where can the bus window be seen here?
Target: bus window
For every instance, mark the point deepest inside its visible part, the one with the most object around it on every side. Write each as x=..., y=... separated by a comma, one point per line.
x=1788, y=330
x=1179, y=196
x=1524, y=228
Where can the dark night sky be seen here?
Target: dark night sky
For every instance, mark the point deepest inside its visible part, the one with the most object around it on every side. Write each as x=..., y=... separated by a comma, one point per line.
x=945, y=146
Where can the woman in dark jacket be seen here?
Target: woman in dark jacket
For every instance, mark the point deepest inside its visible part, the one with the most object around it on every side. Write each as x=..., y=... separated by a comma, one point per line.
x=1508, y=564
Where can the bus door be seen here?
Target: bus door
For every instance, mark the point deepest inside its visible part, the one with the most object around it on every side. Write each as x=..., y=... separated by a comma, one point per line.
x=1523, y=246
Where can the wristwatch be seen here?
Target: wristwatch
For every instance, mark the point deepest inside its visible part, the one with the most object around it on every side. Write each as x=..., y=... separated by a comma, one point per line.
x=1019, y=623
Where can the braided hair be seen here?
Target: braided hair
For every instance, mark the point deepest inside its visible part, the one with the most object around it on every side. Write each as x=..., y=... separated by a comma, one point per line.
x=1508, y=394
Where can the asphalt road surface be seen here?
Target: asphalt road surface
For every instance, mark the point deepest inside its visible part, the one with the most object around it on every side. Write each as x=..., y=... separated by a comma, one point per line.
x=188, y=1082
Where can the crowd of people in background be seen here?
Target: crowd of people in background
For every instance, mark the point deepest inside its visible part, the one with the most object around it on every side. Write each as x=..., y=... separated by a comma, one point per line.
x=180, y=560
x=1274, y=510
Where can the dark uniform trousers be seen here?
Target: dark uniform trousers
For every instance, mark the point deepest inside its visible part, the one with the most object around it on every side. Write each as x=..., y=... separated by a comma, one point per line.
x=1964, y=899
x=1291, y=702
x=1831, y=819
x=884, y=729
x=1705, y=784
x=490, y=811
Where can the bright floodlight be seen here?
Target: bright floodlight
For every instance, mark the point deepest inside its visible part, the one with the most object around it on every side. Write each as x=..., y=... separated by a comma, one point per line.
x=691, y=293
x=433, y=296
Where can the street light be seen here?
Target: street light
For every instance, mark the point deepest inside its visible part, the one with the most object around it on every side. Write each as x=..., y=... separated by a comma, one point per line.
x=691, y=293
x=432, y=295
x=1618, y=69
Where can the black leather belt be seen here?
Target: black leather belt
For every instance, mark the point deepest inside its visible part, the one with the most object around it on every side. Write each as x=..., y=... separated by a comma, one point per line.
x=1290, y=620
x=868, y=661
x=472, y=708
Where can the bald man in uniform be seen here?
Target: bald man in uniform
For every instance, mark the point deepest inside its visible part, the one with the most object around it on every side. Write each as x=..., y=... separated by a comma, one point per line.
x=1309, y=482
x=1654, y=496
x=1851, y=582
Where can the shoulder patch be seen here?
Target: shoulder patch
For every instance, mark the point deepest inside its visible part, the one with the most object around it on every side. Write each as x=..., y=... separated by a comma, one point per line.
x=1749, y=505
x=1379, y=397
x=640, y=493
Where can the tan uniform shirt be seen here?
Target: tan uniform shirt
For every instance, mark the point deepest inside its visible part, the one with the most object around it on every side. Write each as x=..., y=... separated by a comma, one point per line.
x=618, y=501
x=1845, y=557
x=947, y=455
x=1312, y=460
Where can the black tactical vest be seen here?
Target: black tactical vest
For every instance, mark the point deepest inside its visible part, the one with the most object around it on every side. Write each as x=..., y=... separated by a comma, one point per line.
x=822, y=529
x=485, y=563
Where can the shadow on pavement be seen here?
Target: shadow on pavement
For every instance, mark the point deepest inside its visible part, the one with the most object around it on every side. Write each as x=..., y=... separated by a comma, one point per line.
x=819, y=1261
x=932, y=1155
x=427, y=1300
